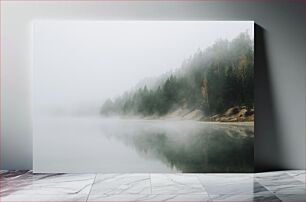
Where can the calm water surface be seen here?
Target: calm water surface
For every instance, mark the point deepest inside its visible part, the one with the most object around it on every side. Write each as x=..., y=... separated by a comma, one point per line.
x=94, y=144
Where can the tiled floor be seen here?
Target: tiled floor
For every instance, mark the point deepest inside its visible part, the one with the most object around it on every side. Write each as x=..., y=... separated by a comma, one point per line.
x=273, y=186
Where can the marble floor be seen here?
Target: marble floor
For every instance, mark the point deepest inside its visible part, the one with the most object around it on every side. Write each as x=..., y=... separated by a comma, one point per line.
x=270, y=186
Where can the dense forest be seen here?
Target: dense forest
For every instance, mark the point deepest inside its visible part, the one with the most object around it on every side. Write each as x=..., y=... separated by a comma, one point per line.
x=212, y=80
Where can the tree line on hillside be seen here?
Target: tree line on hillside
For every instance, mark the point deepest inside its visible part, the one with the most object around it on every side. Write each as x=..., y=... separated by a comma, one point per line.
x=212, y=80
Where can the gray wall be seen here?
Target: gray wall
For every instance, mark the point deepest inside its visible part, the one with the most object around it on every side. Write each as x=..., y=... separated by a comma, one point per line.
x=280, y=73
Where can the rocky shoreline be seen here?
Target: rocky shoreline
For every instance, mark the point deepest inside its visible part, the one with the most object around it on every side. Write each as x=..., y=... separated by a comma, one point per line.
x=233, y=114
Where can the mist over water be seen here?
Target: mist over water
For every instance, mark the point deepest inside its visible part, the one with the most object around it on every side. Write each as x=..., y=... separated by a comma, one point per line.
x=95, y=144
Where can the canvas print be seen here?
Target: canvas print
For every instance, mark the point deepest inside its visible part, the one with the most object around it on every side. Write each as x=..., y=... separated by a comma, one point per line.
x=143, y=96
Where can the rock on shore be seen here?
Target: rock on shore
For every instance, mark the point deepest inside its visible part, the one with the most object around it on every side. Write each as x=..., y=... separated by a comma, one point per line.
x=234, y=114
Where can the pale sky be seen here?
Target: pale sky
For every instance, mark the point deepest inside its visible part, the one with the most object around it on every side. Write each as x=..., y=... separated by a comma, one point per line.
x=79, y=64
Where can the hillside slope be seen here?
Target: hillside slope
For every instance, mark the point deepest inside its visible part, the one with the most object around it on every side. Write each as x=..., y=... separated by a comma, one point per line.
x=215, y=84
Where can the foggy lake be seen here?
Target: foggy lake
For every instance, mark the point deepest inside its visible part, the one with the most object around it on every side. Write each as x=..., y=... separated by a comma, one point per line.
x=121, y=145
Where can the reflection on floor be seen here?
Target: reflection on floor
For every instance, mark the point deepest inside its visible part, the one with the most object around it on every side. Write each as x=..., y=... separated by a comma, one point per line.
x=271, y=186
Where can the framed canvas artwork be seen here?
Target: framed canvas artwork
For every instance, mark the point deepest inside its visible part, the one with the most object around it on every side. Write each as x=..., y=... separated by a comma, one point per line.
x=143, y=96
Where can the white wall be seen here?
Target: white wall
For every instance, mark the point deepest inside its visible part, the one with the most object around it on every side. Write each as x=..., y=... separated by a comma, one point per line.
x=280, y=73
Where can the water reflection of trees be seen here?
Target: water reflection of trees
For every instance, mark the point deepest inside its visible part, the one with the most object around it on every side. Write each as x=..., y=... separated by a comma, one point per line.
x=216, y=149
